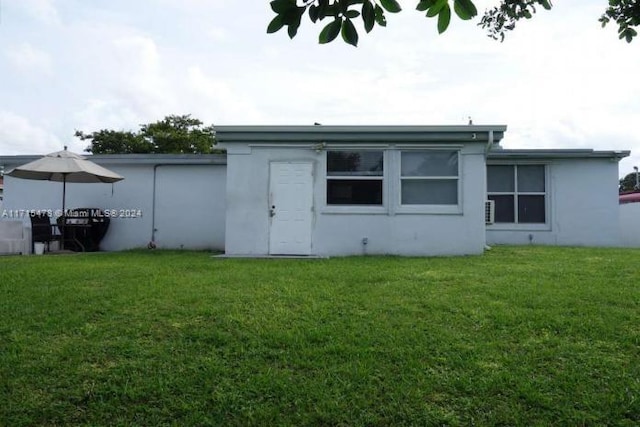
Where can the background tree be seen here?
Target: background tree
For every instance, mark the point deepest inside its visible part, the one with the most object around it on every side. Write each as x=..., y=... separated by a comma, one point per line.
x=173, y=134
x=179, y=134
x=628, y=183
x=341, y=15
x=107, y=141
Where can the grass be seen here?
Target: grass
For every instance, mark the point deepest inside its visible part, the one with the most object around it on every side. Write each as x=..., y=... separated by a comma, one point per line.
x=519, y=336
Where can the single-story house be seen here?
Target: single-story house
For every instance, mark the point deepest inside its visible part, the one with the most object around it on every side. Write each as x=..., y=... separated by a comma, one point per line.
x=409, y=190
x=348, y=190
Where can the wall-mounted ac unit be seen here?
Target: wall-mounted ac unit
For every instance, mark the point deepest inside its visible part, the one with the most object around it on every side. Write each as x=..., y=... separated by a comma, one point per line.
x=489, y=211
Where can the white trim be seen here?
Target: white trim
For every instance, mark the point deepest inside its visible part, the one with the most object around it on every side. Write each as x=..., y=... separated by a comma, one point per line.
x=510, y=226
x=392, y=182
x=430, y=209
x=331, y=146
x=287, y=145
x=428, y=146
x=456, y=209
x=356, y=209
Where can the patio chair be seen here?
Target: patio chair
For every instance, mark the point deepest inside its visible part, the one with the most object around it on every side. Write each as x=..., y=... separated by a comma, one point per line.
x=42, y=230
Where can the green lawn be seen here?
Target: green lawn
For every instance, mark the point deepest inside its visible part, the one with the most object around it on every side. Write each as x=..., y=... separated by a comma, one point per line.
x=519, y=336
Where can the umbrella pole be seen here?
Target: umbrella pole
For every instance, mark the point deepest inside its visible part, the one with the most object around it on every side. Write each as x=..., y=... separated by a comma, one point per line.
x=64, y=219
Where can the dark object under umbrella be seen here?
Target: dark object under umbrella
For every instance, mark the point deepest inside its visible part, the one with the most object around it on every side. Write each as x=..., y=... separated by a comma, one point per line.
x=65, y=166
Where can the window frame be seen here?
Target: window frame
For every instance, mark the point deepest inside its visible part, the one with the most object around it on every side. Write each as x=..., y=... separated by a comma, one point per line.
x=357, y=208
x=391, y=181
x=428, y=208
x=529, y=226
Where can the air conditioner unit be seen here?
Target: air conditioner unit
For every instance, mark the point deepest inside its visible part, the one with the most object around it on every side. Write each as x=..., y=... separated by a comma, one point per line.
x=489, y=211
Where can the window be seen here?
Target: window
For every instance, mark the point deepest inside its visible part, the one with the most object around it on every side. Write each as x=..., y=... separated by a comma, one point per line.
x=429, y=177
x=355, y=177
x=519, y=193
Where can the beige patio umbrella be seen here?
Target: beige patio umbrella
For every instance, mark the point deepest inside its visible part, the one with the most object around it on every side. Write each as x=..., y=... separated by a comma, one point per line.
x=65, y=166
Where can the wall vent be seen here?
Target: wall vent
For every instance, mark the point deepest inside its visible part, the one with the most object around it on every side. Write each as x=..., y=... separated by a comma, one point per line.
x=489, y=211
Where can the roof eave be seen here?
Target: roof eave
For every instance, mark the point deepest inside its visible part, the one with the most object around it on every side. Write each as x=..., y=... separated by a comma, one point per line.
x=138, y=159
x=355, y=134
x=523, y=154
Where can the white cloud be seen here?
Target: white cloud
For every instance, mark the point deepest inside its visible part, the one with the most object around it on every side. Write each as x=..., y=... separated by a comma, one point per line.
x=216, y=99
x=25, y=57
x=140, y=79
x=218, y=34
x=100, y=114
x=19, y=136
x=43, y=10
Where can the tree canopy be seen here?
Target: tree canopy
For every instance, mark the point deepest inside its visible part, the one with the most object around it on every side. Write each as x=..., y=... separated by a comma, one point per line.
x=173, y=134
x=628, y=183
x=497, y=21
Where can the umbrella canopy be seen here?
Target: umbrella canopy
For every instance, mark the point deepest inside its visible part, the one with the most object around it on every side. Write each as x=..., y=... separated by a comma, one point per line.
x=65, y=166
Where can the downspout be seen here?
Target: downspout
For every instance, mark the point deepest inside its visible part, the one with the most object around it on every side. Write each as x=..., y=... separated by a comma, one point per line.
x=486, y=152
x=152, y=242
x=489, y=142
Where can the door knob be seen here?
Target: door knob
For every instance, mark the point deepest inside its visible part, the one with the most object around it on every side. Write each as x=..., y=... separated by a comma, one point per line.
x=272, y=211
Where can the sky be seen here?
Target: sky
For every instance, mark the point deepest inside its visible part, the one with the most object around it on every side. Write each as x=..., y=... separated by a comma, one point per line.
x=557, y=81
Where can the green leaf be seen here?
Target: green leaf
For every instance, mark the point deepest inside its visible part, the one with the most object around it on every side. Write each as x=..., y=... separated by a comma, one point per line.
x=546, y=4
x=352, y=14
x=292, y=30
x=437, y=7
x=425, y=4
x=391, y=6
x=323, y=6
x=275, y=25
x=292, y=20
x=628, y=34
x=368, y=15
x=330, y=31
x=380, y=18
x=465, y=9
x=283, y=6
x=349, y=33
x=443, y=19
x=314, y=13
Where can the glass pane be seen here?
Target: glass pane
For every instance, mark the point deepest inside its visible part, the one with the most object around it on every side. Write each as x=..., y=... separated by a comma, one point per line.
x=531, y=178
x=429, y=163
x=354, y=192
x=500, y=179
x=354, y=163
x=531, y=209
x=504, y=208
x=429, y=192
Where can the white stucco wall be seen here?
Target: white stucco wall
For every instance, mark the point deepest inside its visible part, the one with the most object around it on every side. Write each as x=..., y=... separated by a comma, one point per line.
x=582, y=199
x=188, y=211
x=630, y=225
x=248, y=220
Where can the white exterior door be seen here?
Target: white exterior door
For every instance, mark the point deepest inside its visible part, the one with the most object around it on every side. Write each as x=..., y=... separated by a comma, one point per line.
x=290, y=208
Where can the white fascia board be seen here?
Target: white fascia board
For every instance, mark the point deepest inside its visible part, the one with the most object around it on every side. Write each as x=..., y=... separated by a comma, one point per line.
x=532, y=154
x=132, y=159
x=358, y=134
